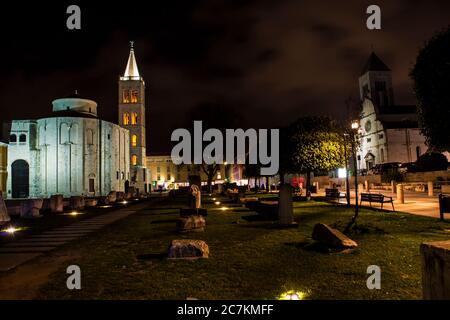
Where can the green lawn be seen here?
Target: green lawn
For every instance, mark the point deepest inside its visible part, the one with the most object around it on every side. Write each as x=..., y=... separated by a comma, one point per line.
x=250, y=260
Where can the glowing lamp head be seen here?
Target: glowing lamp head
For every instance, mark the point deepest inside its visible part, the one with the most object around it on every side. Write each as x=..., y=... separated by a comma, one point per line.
x=217, y=203
x=74, y=213
x=355, y=125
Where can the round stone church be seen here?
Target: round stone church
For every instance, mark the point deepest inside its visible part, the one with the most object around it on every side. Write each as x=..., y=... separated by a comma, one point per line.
x=72, y=152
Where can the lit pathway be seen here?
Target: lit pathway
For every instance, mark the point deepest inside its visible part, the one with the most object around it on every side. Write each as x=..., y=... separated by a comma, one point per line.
x=417, y=203
x=18, y=252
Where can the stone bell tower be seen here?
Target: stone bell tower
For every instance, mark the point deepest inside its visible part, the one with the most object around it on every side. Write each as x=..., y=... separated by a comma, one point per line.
x=132, y=117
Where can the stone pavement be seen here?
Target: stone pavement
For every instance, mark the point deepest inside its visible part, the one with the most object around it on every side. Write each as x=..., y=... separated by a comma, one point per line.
x=18, y=252
x=417, y=203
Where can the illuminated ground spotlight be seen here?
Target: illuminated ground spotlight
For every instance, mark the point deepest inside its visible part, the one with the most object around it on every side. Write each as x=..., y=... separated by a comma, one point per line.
x=292, y=295
x=11, y=230
x=224, y=208
x=124, y=202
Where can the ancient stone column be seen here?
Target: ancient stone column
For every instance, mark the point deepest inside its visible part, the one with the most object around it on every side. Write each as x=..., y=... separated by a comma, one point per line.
x=285, y=208
x=430, y=189
x=196, y=202
x=393, y=186
x=4, y=217
x=436, y=270
x=400, y=194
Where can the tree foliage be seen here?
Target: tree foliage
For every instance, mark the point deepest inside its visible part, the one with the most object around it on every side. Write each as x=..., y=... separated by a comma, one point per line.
x=431, y=76
x=312, y=144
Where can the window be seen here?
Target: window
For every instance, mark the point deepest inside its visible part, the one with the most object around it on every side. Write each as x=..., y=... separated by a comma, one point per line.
x=144, y=175
x=89, y=137
x=134, y=160
x=126, y=119
x=91, y=185
x=134, y=118
x=13, y=138
x=126, y=96
x=369, y=140
x=134, y=96
x=380, y=136
x=117, y=174
x=134, y=140
x=22, y=138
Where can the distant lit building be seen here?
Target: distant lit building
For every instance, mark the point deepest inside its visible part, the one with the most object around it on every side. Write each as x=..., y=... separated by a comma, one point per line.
x=389, y=132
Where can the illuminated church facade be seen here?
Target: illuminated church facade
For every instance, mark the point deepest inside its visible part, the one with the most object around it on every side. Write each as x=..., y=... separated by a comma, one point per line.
x=72, y=152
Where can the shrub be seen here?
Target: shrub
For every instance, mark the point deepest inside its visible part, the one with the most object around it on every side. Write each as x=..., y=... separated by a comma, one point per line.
x=432, y=161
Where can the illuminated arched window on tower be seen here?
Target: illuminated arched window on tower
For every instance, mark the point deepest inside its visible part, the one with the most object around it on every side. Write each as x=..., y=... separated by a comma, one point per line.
x=134, y=96
x=126, y=96
x=134, y=160
x=134, y=118
x=126, y=119
x=134, y=140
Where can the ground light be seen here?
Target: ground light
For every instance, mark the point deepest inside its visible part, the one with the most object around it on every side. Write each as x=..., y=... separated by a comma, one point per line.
x=292, y=295
x=107, y=206
x=11, y=230
x=124, y=202
x=73, y=213
x=224, y=208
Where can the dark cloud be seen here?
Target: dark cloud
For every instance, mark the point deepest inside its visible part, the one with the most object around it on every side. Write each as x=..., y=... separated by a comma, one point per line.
x=266, y=62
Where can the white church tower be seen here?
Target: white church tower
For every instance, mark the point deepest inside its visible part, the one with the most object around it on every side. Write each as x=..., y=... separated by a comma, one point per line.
x=375, y=82
x=132, y=117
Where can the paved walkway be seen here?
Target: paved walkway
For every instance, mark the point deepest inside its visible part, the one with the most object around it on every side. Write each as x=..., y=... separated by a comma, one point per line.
x=18, y=252
x=417, y=203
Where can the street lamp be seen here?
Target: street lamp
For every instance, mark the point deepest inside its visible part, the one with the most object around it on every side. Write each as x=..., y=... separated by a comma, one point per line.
x=347, y=184
x=355, y=130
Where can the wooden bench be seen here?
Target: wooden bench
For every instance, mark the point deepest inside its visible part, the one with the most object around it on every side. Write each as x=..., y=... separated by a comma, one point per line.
x=444, y=205
x=377, y=198
x=334, y=194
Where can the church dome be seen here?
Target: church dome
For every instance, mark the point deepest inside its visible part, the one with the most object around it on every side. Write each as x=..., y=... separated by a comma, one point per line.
x=75, y=103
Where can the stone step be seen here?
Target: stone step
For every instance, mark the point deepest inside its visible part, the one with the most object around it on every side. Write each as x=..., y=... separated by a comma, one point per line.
x=27, y=249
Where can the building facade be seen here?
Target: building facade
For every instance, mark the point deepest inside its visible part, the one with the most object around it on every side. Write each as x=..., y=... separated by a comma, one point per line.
x=3, y=166
x=72, y=152
x=389, y=132
x=132, y=117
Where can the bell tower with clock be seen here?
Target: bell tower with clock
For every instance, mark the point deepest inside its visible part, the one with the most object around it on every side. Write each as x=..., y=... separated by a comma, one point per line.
x=132, y=117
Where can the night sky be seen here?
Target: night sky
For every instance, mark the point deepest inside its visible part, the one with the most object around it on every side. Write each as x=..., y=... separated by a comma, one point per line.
x=267, y=62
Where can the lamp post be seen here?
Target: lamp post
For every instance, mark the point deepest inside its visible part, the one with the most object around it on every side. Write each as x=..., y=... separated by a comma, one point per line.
x=347, y=183
x=355, y=128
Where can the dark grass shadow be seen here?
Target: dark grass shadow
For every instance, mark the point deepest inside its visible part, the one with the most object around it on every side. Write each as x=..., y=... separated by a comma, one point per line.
x=164, y=221
x=152, y=256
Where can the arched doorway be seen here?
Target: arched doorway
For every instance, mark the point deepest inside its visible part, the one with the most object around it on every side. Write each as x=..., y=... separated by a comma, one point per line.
x=20, y=179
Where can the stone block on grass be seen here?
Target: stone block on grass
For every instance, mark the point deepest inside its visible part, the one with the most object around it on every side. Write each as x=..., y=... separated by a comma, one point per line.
x=31, y=208
x=191, y=224
x=188, y=249
x=332, y=237
x=186, y=212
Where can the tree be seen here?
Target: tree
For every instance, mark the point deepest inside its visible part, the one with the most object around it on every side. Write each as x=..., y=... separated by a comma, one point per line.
x=431, y=76
x=210, y=170
x=314, y=144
